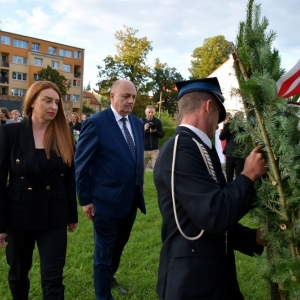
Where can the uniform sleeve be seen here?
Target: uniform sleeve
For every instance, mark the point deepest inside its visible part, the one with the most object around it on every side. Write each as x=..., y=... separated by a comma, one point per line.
x=243, y=240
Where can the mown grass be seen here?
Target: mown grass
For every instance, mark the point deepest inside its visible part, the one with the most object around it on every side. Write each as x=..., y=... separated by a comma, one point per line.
x=139, y=264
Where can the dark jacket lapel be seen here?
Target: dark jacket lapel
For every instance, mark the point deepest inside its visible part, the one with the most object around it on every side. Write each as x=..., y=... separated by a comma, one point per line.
x=28, y=146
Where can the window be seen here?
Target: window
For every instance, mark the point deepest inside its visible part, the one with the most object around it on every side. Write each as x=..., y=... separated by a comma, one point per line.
x=55, y=65
x=97, y=108
x=75, y=98
x=76, y=83
x=77, y=54
x=67, y=97
x=51, y=50
x=19, y=76
x=20, y=44
x=35, y=47
x=36, y=77
x=19, y=60
x=5, y=39
x=38, y=62
x=64, y=52
x=66, y=68
x=18, y=92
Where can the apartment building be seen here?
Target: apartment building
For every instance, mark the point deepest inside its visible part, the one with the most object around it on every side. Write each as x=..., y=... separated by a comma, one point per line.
x=21, y=57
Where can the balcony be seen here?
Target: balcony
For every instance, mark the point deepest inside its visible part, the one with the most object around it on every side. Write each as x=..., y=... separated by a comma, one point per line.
x=4, y=64
x=77, y=75
x=4, y=80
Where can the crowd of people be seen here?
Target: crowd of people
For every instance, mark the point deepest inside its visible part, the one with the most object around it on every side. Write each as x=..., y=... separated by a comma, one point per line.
x=105, y=168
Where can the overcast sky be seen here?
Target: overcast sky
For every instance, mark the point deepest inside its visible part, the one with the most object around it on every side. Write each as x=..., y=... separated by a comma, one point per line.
x=175, y=27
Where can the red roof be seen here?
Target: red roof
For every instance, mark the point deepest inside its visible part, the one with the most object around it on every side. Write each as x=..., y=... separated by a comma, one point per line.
x=92, y=97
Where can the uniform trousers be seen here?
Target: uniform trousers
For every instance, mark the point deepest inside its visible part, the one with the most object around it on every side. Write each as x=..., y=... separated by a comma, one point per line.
x=110, y=237
x=52, y=245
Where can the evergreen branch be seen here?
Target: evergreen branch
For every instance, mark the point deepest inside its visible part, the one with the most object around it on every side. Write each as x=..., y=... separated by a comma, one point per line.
x=266, y=140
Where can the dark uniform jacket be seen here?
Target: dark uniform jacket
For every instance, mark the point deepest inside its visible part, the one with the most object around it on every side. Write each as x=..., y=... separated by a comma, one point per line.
x=204, y=268
x=151, y=138
x=31, y=200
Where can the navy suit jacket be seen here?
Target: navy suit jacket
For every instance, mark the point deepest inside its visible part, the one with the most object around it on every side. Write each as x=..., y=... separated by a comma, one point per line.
x=106, y=173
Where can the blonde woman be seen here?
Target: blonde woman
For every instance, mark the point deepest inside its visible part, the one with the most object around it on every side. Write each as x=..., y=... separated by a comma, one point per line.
x=75, y=122
x=40, y=199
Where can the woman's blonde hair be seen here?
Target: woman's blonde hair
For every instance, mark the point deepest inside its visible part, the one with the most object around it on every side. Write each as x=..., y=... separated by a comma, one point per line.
x=58, y=137
x=77, y=116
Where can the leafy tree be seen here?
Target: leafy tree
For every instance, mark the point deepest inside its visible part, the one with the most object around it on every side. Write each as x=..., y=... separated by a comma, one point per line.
x=129, y=63
x=86, y=109
x=163, y=87
x=53, y=75
x=271, y=124
x=210, y=56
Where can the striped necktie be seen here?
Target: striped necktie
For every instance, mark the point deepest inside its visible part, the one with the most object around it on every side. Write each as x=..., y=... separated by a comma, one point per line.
x=129, y=139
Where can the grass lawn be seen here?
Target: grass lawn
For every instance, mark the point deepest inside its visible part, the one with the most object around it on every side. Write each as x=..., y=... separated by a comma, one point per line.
x=139, y=264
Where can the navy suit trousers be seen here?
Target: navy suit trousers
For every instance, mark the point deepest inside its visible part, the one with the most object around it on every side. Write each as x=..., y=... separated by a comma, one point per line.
x=110, y=236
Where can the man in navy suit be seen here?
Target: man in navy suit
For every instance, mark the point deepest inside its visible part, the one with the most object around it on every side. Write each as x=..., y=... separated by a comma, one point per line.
x=109, y=173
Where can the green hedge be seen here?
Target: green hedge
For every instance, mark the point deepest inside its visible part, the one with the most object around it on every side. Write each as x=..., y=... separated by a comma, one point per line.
x=169, y=132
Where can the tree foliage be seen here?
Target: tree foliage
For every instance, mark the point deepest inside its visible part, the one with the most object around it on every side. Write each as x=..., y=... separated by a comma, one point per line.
x=86, y=109
x=271, y=125
x=88, y=87
x=214, y=52
x=163, y=87
x=131, y=63
x=54, y=76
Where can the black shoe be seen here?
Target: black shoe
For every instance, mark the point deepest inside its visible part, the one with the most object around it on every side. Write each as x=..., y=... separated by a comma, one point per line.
x=116, y=286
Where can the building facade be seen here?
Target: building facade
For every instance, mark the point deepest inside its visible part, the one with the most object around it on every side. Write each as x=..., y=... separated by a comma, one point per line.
x=90, y=101
x=229, y=84
x=22, y=57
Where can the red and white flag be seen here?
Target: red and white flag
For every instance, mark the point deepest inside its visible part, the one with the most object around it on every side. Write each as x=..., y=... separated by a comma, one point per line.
x=289, y=84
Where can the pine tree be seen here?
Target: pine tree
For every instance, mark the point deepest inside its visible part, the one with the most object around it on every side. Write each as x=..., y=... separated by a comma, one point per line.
x=271, y=124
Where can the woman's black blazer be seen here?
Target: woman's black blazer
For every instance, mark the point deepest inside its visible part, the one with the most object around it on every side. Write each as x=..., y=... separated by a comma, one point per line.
x=31, y=200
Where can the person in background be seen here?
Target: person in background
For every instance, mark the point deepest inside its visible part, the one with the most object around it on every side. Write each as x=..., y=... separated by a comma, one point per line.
x=109, y=176
x=153, y=131
x=85, y=116
x=38, y=204
x=234, y=162
x=75, y=122
x=14, y=117
x=200, y=229
x=4, y=115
